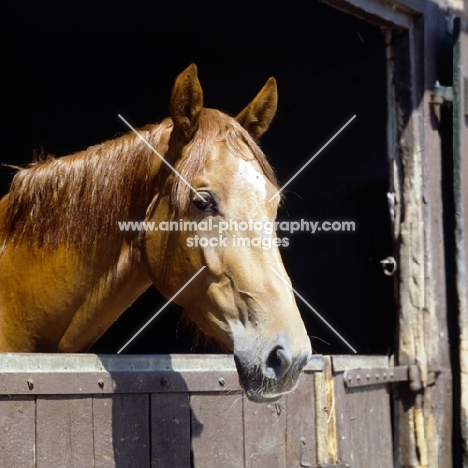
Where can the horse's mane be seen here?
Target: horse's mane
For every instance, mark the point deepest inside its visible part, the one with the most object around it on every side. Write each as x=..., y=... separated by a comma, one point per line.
x=75, y=201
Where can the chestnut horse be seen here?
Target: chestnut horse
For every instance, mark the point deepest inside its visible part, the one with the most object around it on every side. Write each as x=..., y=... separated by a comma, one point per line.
x=67, y=271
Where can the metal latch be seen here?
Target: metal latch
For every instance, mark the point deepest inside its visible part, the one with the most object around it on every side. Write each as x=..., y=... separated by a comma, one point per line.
x=377, y=376
x=442, y=94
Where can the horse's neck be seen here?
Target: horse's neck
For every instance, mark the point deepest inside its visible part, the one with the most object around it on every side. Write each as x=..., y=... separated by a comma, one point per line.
x=114, y=293
x=65, y=298
x=114, y=273
x=68, y=295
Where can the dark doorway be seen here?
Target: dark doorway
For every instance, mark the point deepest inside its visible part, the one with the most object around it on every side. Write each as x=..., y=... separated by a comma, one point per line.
x=65, y=89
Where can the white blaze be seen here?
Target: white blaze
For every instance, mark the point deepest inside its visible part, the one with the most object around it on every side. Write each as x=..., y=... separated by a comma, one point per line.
x=255, y=179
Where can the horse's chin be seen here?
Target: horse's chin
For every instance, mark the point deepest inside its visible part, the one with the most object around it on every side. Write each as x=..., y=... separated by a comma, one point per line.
x=265, y=392
x=256, y=397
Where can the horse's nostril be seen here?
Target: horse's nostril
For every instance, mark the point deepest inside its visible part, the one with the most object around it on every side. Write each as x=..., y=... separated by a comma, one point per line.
x=278, y=363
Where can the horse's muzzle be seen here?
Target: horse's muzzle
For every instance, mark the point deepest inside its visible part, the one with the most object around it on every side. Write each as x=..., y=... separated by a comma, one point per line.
x=277, y=374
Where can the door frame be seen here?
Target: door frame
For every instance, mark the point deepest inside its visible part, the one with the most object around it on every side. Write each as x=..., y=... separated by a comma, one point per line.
x=414, y=32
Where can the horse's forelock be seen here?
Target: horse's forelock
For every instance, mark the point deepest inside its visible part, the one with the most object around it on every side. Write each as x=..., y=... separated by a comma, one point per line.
x=213, y=126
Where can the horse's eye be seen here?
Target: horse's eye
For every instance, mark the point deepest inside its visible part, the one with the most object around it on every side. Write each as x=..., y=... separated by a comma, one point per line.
x=207, y=204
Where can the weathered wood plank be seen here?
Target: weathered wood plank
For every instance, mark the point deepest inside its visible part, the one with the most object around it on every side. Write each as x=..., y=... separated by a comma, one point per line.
x=17, y=431
x=170, y=430
x=168, y=381
x=102, y=432
x=265, y=433
x=64, y=431
x=121, y=431
x=94, y=374
x=325, y=415
x=460, y=189
x=217, y=432
x=300, y=424
x=364, y=425
x=420, y=281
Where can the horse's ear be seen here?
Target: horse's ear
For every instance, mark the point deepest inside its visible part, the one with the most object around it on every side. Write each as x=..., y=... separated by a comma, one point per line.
x=257, y=116
x=186, y=102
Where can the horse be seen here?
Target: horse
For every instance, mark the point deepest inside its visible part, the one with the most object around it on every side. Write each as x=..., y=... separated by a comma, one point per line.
x=67, y=271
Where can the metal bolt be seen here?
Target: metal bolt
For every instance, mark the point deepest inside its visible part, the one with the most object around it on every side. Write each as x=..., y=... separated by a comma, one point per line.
x=221, y=381
x=101, y=383
x=164, y=382
x=30, y=384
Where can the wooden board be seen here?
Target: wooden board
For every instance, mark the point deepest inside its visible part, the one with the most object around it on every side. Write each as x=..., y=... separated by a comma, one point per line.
x=217, y=435
x=121, y=431
x=17, y=431
x=301, y=424
x=64, y=428
x=265, y=433
x=364, y=425
x=170, y=430
x=460, y=183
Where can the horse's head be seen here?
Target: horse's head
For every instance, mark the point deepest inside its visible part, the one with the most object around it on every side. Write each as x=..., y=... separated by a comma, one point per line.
x=242, y=298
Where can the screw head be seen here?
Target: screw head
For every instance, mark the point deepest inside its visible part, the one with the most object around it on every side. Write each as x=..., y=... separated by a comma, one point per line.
x=222, y=382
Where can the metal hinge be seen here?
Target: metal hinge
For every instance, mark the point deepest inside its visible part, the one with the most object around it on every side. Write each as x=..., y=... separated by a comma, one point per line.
x=377, y=376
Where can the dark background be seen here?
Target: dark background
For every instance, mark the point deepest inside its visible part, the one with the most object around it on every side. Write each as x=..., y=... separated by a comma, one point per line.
x=63, y=89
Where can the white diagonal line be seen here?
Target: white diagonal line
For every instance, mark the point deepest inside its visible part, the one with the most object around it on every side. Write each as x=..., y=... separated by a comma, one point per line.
x=161, y=309
x=313, y=157
x=311, y=308
x=157, y=154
